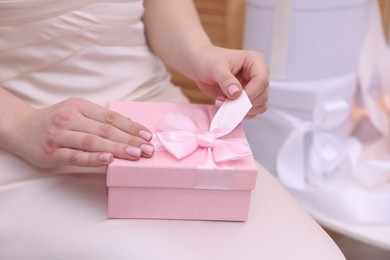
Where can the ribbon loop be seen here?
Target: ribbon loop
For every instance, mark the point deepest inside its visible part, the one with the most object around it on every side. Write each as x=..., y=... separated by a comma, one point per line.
x=205, y=140
x=330, y=114
x=180, y=135
x=326, y=151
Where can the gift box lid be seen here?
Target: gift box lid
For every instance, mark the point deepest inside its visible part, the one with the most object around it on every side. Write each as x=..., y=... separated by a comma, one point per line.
x=165, y=171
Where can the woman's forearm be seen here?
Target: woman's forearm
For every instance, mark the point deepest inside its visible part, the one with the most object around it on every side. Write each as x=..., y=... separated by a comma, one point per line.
x=13, y=112
x=174, y=32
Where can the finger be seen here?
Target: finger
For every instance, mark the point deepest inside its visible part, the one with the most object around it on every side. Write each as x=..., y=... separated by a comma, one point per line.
x=93, y=143
x=256, y=110
x=259, y=105
x=107, y=116
x=258, y=76
x=256, y=87
x=228, y=83
x=250, y=116
x=219, y=101
x=261, y=99
x=68, y=156
x=106, y=131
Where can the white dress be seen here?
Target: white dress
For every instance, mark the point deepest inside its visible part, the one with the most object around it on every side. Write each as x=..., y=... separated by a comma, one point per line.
x=51, y=49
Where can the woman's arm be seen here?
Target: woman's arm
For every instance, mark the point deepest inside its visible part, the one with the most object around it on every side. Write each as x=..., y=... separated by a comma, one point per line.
x=176, y=35
x=14, y=112
x=174, y=32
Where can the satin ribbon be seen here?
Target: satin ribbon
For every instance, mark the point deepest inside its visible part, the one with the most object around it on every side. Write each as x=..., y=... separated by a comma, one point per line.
x=181, y=133
x=328, y=174
x=326, y=151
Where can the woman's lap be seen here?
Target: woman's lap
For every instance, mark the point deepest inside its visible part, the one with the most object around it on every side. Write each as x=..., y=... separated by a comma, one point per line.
x=63, y=215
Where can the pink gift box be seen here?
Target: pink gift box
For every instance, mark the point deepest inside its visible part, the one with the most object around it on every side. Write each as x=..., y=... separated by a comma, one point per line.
x=164, y=187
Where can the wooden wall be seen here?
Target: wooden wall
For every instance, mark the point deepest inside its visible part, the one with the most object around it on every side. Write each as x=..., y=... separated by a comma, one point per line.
x=385, y=8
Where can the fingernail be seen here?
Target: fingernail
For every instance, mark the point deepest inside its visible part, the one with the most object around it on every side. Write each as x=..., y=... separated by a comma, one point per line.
x=105, y=157
x=133, y=151
x=218, y=103
x=145, y=135
x=147, y=149
x=233, y=89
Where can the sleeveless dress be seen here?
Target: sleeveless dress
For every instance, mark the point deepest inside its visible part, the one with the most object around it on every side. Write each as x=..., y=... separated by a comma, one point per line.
x=51, y=50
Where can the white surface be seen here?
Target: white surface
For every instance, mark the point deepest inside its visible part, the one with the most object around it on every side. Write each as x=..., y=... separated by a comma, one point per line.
x=377, y=235
x=373, y=234
x=62, y=215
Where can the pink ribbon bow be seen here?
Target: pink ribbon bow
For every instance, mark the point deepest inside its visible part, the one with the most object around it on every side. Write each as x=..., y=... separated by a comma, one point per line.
x=182, y=132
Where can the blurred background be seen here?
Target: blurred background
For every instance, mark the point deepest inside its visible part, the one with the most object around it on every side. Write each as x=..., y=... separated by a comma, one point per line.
x=224, y=21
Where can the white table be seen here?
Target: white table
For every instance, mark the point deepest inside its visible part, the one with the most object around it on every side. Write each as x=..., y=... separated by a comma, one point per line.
x=46, y=215
x=374, y=234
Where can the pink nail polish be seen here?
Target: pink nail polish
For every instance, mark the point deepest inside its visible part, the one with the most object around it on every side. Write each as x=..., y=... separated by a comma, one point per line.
x=233, y=89
x=105, y=157
x=218, y=103
x=147, y=149
x=133, y=151
x=145, y=135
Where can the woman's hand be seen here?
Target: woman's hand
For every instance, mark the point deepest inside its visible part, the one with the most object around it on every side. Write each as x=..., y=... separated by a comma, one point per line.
x=224, y=73
x=176, y=35
x=79, y=133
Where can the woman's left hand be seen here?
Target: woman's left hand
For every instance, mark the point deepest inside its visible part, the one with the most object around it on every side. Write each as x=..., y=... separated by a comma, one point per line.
x=224, y=73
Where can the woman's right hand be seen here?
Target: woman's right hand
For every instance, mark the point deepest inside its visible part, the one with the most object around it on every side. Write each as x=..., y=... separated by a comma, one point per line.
x=79, y=133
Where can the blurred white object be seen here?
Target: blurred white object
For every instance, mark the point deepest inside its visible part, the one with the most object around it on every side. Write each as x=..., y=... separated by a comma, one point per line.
x=306, y=39
x=375, y=59
x=299, y=99
x=349, y=209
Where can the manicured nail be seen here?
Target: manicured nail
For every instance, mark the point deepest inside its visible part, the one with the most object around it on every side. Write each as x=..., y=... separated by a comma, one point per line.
x=133, y=151
x=105, y=157
x=233, y=89
x=218, y=102
x=147, y=149
x=145, y=135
